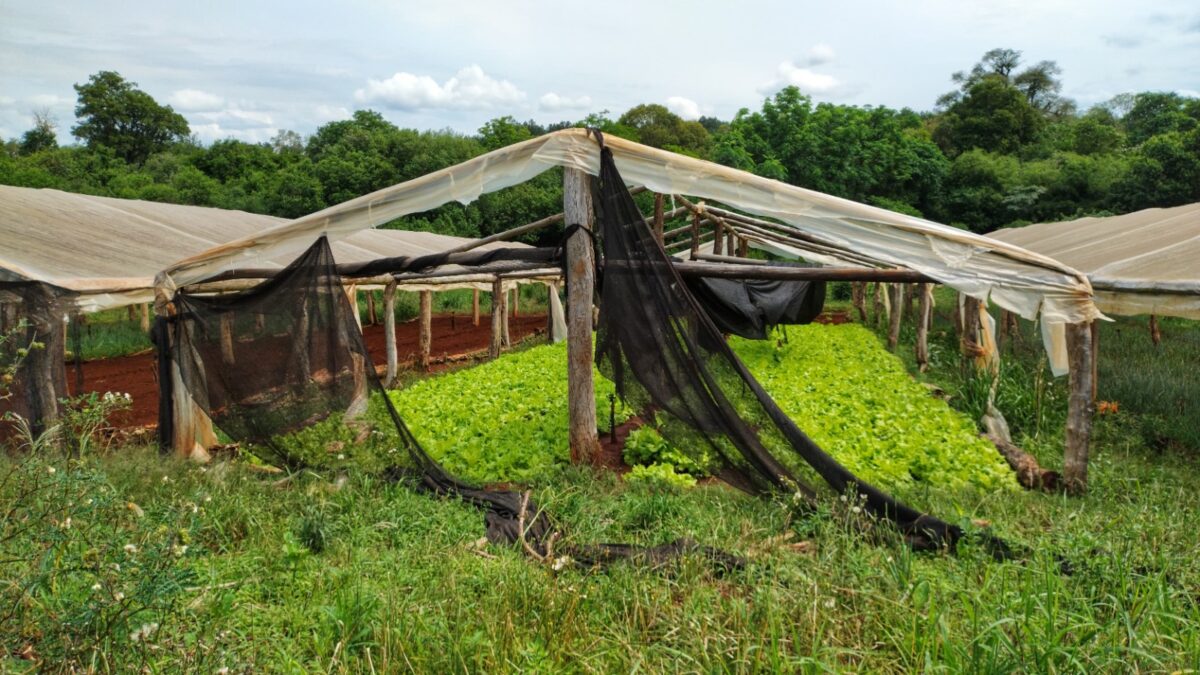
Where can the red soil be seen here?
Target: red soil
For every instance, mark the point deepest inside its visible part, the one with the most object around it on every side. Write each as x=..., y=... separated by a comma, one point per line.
x=453, y=336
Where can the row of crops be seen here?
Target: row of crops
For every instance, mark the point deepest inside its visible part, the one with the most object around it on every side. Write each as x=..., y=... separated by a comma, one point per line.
x=507, y=420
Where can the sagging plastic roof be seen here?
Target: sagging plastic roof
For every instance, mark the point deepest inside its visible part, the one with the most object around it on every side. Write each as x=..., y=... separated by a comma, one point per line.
x=109, y=250
x=1015, y=279
x=1146, y=262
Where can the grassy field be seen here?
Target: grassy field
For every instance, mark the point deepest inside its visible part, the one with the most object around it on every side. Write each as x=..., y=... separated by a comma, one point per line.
x=130, y=562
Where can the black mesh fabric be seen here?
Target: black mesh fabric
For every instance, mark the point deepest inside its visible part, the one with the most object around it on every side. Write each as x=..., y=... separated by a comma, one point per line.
x=751, y=307
x=274, y=363
x=669, y=360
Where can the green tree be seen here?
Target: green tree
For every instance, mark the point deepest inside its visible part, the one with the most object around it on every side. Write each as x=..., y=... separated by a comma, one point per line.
x=660, y=128
x=41, y=137
x=114, y=113
x=503, y=131
x=993, y=115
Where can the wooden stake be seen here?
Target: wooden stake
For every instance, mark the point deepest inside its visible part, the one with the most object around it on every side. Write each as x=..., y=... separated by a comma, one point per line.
x=695, y=233
x=370, y=308
x=877, y=305
x=389, y=333
x=926, y=312
x=425, y=328
x=516, y=301
x=1079, y=408
x=227, y=339
x=581, y=395
x=475, y=306
x=730, y=242
x=718, y=238
x=145, y=326
x=1155, y=333
x=505, y=335
x=1095, y=358
x=659, y=221
x=352, y=296
x=858, y=296
x=897, y=310
x=743, y=247
x=497, y=318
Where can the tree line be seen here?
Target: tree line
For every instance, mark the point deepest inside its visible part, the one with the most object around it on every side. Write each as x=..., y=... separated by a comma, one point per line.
x=1002, y=148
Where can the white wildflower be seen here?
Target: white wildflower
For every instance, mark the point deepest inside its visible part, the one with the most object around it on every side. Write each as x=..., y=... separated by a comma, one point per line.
x=95, y=587
x=830, y=603
x=166, y=479
x=561, y=562
x=843, y=498
x=341, y=456
x=195, y=508
x=130, y=548
x=50, y=470
x=67, y=523
x=857, y=509
x=207, y=499
x=179, y=550
x=118, y=596
x=143, y=633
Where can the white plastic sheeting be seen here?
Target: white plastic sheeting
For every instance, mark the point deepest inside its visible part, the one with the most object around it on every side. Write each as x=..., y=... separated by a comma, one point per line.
x=109, y=250
x=1015, y=279
x=1146, y=262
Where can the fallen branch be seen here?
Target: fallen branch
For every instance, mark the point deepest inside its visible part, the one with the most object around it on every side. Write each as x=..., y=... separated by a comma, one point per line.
x=1029, y=473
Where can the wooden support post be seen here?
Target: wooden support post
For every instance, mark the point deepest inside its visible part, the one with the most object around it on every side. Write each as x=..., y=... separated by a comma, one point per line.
x=897, y=311
x=145, y=325
x=718, y=238
x=505, y=335
x=926, y=311
x=659, y=220
x=743, y=247
x=877, y=305
x=581, y=395
x=695, y=235
x=1155, y=333
x=1079, y=408
x=858, y=297
x=44, y=370
x=516, y=301
x=425, y=328
x=730, y=242
x=352, y=296
x=475, y=306
x=389, y=333
x=372, y=317
x=1095, y=359
x=227, y=354
x=497, y=318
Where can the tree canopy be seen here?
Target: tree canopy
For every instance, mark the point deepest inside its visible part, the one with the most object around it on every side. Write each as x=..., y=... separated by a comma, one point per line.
x=1003, y=148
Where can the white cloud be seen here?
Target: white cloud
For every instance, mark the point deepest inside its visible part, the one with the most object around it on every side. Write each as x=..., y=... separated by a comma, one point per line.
x=328, y=113
x=213, y=131
x=238, y=118
x=192, y=100
x=470, y=88
x=551, y=102
x=684, y=107
x=819, y=55
x=47, y=100
x=809, y=81
x=7, y=101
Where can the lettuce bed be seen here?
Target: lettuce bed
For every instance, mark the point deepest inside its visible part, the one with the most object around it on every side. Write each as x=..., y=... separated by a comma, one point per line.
x=507, y=420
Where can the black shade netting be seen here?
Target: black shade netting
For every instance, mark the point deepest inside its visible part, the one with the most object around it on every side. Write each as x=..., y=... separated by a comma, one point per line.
x=669, y=360
x=282, y=368
x=749, y=308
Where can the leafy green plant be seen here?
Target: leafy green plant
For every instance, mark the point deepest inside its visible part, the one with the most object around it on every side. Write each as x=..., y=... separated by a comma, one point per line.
x=646, y=446
x=659, y=476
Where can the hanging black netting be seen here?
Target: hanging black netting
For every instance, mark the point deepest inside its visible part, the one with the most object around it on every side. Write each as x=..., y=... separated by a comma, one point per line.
x=751, y=307
x=669, y=361
x=282, y=368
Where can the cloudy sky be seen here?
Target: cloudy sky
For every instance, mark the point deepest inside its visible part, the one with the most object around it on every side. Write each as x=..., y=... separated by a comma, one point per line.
x=246, y=70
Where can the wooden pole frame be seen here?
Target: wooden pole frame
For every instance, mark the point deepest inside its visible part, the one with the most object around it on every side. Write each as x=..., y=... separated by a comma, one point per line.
x=425, y=332
x=581, y=395
x=497, y=342
x=1080, y=408
x=389, y=333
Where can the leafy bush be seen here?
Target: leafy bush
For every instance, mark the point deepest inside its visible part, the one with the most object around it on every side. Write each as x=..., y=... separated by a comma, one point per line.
x=645, y=446
x=659, y=476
